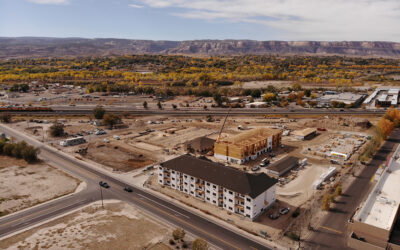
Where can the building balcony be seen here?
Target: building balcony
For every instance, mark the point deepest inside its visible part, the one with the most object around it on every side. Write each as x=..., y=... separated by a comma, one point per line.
x=240, y=199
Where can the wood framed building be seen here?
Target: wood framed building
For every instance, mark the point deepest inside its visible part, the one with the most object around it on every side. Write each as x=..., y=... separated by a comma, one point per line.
x=247, y=145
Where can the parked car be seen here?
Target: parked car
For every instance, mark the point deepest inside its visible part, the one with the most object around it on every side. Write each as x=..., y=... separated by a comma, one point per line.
x=80, y=134
x=262, y=164
x=284, y=210
x=266, y=162
x=128, y=189
x=116, y=137
x=104, y=184
x=272, y=154
x=274, y=216
x=106, y=140
x=255, y=168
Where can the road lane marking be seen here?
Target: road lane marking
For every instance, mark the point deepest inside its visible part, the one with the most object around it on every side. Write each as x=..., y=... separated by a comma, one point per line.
x=163, y=206
x=332, y=230
x=187, y=223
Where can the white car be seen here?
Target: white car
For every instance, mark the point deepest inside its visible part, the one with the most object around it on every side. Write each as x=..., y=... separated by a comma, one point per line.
x=116, y=137
x=106, y=140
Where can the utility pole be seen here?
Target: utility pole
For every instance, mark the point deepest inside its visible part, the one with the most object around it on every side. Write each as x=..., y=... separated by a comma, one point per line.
x=101, y=194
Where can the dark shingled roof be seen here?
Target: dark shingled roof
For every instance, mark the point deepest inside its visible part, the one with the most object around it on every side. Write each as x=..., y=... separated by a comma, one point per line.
x=228, y=177
x=283, y=164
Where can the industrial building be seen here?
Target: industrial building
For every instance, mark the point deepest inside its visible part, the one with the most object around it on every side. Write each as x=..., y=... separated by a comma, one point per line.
x=383, y=97
x=305, y=134
x=376, y=224
x=349, y=99
x=200, y=145
x=247, y=145
x=282, y=166
x=223, y=186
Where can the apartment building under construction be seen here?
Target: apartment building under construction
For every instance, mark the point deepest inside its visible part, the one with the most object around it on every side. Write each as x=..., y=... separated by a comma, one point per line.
x=247, y=145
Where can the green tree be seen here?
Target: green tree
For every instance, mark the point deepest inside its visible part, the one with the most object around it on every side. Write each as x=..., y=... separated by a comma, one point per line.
x=99, y=112
x=110, y=120
x=199, y=244
x=218, y=99
x=56, y=130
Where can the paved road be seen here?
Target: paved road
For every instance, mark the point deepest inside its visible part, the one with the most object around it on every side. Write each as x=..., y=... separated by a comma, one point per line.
x=176, y=215
x=84, y=110
x=332, y=233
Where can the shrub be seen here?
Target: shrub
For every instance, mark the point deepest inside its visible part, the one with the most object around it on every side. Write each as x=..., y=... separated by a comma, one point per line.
x=5, y=117
x=178, y=234
x=199, y=244
x=56, y=130
x=99, y=112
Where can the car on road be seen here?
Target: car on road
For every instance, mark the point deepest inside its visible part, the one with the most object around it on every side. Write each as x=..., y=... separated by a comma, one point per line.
x=262, y=164
x=274, y=216
x=284, y=210
x=104, y=184
x=255, y=168
x=271, y=154
x=128, y=189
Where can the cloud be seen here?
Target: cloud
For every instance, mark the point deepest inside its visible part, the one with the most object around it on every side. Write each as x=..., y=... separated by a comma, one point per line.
x=299, y=19
x=135, y=6
x=49, y=1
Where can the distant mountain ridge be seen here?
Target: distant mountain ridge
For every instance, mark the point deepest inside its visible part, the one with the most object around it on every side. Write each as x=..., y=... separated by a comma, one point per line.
x=72, y=47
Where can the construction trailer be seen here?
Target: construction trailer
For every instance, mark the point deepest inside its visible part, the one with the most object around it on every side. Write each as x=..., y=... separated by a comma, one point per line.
x=247, y=145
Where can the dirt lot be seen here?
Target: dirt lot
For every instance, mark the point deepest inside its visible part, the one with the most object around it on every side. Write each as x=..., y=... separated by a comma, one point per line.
x=118, y=226
x=118, y=156
x=24, y=185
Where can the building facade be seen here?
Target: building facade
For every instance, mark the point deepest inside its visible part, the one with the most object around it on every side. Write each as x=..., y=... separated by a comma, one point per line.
x=223, y=186
x=247, y=145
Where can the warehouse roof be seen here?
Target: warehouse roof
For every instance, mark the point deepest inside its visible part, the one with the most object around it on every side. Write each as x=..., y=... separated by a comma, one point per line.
x=304, y=132
x=284, y=164
x=225, y=176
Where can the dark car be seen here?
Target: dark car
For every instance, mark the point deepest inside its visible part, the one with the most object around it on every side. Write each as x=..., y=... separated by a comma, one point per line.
x=104, y=184
x=284, y=210
x=272, y=154
x=274, y=216
x=128, y=189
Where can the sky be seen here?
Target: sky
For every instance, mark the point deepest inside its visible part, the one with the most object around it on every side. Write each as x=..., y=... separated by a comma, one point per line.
x=288, y=20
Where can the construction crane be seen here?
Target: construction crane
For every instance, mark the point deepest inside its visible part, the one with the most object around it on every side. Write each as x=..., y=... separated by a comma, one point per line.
x=223, y=125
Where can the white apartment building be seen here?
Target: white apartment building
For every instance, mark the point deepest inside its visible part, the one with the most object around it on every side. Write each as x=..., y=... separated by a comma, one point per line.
x=223, y=186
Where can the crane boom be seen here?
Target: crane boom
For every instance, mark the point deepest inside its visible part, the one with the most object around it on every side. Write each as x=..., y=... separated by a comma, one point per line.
x=223, y=125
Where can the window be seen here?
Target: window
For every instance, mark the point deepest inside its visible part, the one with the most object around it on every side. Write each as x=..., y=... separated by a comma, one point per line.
x=230, y=192
x=185, y=190
x=224, y=205
x=191, y=185
x=208, y=191
x=248, y=215
x=214, y=194
x=208, y=198
x=248, y=199
x=230, y=200
x=191, y=192
x=185, y=183
x=173, y=185
x=173, y=178
x=214, y=186
x=192, y=178
x=160, y=174
x=208, y=184
x=173, y=171
x=160, y=181
x=160, y=168
x=230, y=208
x=215, y=202
x=247, y=207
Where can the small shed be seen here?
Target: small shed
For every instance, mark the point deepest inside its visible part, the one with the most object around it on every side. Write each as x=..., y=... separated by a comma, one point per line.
x=282, y=166
x=305, y=134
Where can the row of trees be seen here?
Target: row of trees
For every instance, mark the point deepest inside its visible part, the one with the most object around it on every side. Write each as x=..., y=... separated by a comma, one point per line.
x=20, y=150
x=178, y=236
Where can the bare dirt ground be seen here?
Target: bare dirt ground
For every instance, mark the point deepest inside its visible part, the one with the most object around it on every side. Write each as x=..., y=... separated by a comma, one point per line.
x=118, y=226
x=118, y=156
x=24, y=185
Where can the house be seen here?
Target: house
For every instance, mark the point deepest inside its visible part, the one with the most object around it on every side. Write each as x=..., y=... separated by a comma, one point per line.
x=282, y=166
x=200, y=145
x=229, y=188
